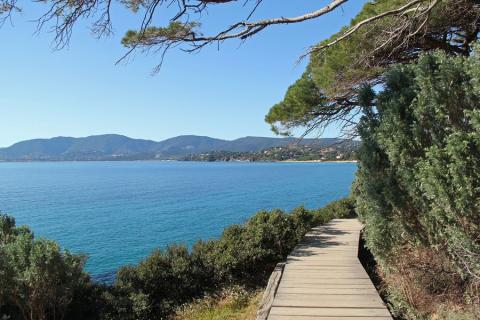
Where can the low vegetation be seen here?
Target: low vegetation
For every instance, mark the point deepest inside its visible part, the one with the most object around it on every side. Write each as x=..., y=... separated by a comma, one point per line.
x=40, y=281
x=236, y=303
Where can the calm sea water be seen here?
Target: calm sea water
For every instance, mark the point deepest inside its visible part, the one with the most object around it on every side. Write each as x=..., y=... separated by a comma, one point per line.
x=117, y=212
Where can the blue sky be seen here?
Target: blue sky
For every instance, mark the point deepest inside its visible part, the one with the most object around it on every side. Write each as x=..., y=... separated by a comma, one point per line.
x=224, y=93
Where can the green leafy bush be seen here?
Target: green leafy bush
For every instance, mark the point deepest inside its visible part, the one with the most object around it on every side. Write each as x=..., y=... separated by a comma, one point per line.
x=418, y=183
x=37, y=279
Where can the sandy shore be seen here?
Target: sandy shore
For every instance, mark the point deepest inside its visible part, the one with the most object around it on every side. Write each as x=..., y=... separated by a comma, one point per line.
x=321, y=161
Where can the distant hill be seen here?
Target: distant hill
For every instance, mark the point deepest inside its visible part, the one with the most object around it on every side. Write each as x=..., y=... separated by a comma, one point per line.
x=255, y=144
x=118, y=147
x=344, y=151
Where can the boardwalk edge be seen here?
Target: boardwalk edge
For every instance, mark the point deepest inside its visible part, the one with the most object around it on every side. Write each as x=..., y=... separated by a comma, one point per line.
x=269, y=294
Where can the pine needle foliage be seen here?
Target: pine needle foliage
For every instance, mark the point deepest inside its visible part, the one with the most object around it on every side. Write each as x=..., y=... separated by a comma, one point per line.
x=418, y=183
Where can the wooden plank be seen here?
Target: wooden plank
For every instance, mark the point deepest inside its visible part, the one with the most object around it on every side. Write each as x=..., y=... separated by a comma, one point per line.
x=331, y=286
x=295, y=266
x=299, y=278
x=327, y=249
x=300, y=262
x=325, y=275
x=327, y=301
x=295, y=317
x=342, y=260
x=327, y=290
x=330, y=312
x=321, y=266
x=322, y=281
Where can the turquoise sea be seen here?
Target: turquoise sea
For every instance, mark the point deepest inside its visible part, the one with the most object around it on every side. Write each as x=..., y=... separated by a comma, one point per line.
x=118, y=212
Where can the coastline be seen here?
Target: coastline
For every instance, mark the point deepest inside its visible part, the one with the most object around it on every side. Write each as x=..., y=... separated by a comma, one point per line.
x=173, y=160
x=321, y=161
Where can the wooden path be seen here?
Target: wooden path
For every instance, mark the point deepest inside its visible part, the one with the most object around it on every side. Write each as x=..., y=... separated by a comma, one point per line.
x=323, y=279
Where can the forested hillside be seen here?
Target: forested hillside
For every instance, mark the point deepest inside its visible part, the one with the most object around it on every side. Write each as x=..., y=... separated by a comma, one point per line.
x=118, y=147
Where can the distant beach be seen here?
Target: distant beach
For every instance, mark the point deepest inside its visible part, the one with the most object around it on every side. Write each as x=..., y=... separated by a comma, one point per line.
x=320, y=161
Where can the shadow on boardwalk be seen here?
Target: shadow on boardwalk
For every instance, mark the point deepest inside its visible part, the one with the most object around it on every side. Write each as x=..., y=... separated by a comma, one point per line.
x=324, y=279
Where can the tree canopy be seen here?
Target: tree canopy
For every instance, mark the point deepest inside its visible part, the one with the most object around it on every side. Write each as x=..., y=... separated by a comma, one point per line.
x=184, y=28
x=184, y=25
x=384, y=33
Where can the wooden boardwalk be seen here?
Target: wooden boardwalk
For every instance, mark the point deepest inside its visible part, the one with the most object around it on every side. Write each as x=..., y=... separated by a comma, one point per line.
x=323, y=279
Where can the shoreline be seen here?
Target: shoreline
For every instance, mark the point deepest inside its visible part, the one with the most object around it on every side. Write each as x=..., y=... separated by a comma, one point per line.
x=165, y=160
x=320, y=161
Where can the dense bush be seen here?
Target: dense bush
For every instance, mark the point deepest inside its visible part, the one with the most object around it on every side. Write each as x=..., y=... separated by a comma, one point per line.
x=37, y=279
x=244, y=255
x=418, y=183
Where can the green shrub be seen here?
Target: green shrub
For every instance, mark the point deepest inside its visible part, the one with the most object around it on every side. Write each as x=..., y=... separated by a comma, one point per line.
x=418, y=183
x=343, y=208
x=37, y=279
